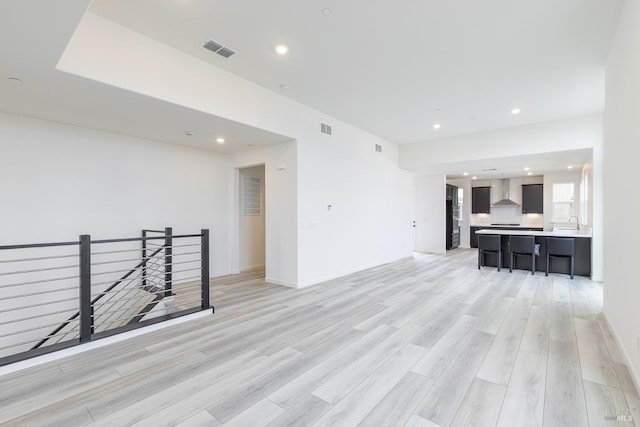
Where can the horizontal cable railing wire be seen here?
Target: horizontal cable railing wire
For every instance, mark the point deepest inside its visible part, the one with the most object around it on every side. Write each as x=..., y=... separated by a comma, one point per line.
x=42, y=309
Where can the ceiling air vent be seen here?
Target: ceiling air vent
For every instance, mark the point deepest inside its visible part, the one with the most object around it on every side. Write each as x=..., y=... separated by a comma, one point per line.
x=325, y=128
x=218, y=48
x=379, y=148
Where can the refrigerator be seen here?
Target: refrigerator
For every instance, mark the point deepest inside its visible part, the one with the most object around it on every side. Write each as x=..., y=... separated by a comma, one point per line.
x=452, y=232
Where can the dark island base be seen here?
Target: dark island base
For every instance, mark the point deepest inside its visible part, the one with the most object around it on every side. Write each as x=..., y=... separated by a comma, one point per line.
x=582, y=258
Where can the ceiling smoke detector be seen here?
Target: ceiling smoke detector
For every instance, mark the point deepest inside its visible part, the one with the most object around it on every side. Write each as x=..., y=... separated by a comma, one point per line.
x=218, y=48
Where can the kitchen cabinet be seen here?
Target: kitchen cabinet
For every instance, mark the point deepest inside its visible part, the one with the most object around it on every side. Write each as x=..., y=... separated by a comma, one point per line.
x=582, y=257
x=480, y=200
x=473, y=237
x=532, y=198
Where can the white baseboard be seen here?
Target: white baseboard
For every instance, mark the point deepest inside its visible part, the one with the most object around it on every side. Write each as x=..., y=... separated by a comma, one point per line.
x=346, y=273
x=332, y=276
x=280, y=282
x=632, y=369
x=252, y=268
x=78, y=349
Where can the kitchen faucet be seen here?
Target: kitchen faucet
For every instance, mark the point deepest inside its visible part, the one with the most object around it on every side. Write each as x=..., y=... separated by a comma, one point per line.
x=577, y=221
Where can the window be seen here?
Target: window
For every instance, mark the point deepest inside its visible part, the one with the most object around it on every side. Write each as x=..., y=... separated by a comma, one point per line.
x=562, y=202
x=251, y=197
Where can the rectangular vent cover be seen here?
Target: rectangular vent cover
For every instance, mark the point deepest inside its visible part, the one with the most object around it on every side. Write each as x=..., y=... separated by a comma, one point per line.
x=251, y=195
x=325, y=128
x=379, y=148
x=218, y=48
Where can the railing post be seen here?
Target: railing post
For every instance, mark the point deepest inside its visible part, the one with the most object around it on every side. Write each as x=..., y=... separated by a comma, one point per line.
x=144, y=259
x=86, y=310
x=204, y=254
x=168, y=260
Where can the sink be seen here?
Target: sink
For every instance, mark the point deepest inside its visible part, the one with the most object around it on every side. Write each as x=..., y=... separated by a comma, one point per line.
x=565, y=230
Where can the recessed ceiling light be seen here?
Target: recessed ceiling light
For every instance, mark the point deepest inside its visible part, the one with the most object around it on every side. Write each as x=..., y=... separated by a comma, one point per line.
x=466, y=174
x=530, y=173
x=188, y=133
x=15, y=80
x=436, y=126
x=282, y=49
x=326, y=11
x=569, y=167
x=515, y=111
x=474, y=177
x=285, y=86
x=527, y=168
x=220, y=140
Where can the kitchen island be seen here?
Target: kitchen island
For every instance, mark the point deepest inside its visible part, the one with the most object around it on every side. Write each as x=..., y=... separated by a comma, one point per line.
x=582, y=251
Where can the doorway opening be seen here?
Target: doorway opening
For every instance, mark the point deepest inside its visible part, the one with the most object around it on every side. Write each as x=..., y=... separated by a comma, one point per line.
x=251, y=220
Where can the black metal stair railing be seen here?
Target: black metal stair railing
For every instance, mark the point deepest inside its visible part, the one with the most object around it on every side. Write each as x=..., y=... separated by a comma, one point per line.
x=170, y=278
x=95, y=300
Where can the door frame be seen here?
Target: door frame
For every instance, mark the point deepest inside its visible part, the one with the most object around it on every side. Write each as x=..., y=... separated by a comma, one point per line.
x=235, y=217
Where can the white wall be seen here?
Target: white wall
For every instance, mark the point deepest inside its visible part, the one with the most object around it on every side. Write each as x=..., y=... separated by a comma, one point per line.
x=60, y=181
x=252, y=227
x=281, y=210
x=430, y=214
x=562, y=135
x=597, y=219
x=621, y=204
x=371, y=221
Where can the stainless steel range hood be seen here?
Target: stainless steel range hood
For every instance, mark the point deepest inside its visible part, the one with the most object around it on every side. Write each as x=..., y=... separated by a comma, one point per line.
x=505, y=201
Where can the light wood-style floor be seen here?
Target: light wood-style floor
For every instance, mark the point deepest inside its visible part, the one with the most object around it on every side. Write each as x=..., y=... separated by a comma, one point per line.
x=425, y=341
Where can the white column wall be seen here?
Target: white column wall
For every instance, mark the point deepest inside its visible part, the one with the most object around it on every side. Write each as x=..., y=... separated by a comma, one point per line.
x=431, y=211
x=621, y=152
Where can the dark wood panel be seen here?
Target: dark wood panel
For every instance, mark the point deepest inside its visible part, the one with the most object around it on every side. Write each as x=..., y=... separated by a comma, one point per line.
x=481, y=200
x=532, y=198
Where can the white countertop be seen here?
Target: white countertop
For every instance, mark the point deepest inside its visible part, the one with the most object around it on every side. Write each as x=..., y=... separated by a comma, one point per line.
x=510, y=226
x=564, y=233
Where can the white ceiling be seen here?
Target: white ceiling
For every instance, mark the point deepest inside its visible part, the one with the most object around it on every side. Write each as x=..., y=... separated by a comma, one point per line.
x=380, y=65
x=33, y=36
x=387, y=66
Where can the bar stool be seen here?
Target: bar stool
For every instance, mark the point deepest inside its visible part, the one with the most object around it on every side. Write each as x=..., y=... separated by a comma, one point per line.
x=489, y=244
x=560, y=247
x=522, y=245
